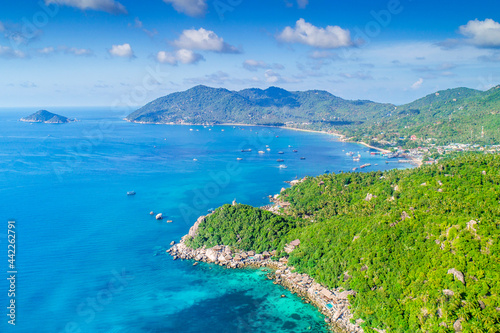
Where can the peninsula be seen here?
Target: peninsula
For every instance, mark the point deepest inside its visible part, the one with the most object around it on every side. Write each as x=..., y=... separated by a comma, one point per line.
x=401, y=250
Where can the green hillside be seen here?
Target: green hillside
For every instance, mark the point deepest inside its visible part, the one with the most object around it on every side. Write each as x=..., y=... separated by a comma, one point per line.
x=454, y=115
x=394, y=237
x=201, y=104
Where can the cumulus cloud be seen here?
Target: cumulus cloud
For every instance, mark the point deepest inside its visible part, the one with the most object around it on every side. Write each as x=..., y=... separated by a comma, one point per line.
x=123, y=51
x=204, y=40
x=194, y=8
x=9, y=53
x=108, y=6
x=417, y=84
x=183, y=56
x=482, y=33
x=253, y=65
x=330, y=37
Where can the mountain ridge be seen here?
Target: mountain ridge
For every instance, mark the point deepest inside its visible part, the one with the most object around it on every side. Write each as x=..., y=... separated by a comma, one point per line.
x=441, y=117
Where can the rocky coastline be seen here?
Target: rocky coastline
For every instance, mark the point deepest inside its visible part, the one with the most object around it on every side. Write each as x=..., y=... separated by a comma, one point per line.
x=333, y=303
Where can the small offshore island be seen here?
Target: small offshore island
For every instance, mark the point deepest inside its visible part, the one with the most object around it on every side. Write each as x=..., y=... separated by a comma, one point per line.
x=402, y=250
x=46, y=117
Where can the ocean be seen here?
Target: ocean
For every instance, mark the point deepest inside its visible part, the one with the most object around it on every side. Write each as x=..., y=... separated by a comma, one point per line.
x=90, y=258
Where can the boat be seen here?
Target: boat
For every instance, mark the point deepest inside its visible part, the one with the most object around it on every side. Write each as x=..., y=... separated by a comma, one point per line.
x=211, y=210
x=268, y=149
x=238, y=158
x=261, y=152
x=349, y=153
x=356, y=159
x=282, y=166
x=289, y=146
x=354, y=169
x=131, y=193
x=295, y=151
x=327, y=171
x=280, y=152
x=195, y=160
x=365, y=165
x=302, y=158
x=246, y=150
x=280, y=160
x=191, y=129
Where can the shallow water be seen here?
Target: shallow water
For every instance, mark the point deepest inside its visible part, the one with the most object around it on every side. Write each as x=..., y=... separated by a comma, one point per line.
x=91, y=259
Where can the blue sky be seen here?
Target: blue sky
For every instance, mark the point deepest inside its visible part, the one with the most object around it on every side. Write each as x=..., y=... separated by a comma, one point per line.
x=126, y=53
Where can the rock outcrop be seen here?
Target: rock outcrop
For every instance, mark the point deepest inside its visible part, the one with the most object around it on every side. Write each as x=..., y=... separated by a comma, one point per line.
x=458, y=275
x=333, y=303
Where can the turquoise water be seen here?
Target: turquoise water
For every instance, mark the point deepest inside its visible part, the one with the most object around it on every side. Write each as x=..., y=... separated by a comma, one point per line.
x=91, y=259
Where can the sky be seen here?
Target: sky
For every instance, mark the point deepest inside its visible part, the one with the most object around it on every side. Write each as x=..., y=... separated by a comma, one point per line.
x=127, y=53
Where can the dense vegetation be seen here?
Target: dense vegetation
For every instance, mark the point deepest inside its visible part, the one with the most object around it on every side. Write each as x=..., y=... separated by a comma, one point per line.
x=44, y=116
x=244, y=227
x=392, y=237
x=454, y=115
x=201, y=105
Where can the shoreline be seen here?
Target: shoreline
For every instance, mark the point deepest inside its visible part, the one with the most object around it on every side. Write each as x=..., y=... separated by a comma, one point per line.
x=332, y=303
x=340, y=136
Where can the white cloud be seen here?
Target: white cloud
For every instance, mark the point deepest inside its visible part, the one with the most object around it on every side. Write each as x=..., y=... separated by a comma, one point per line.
x=253, y=65
x=205, y=40
x=273, y=77
x=46, y=50
x=326, y=38
x=124, y=51
x=8, y=52
x=417, y=84
x=482, y=33
x=108, y=6
x=77, y=51
x=183, y=56
x=302, y=3
x=193, y=8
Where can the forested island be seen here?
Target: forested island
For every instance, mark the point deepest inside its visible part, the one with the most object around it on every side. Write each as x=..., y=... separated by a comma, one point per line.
x=460, y=115
x=44, y=116
x=417, y=248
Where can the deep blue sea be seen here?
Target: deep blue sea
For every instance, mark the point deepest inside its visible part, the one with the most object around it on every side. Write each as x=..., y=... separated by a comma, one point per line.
x=89, y=258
